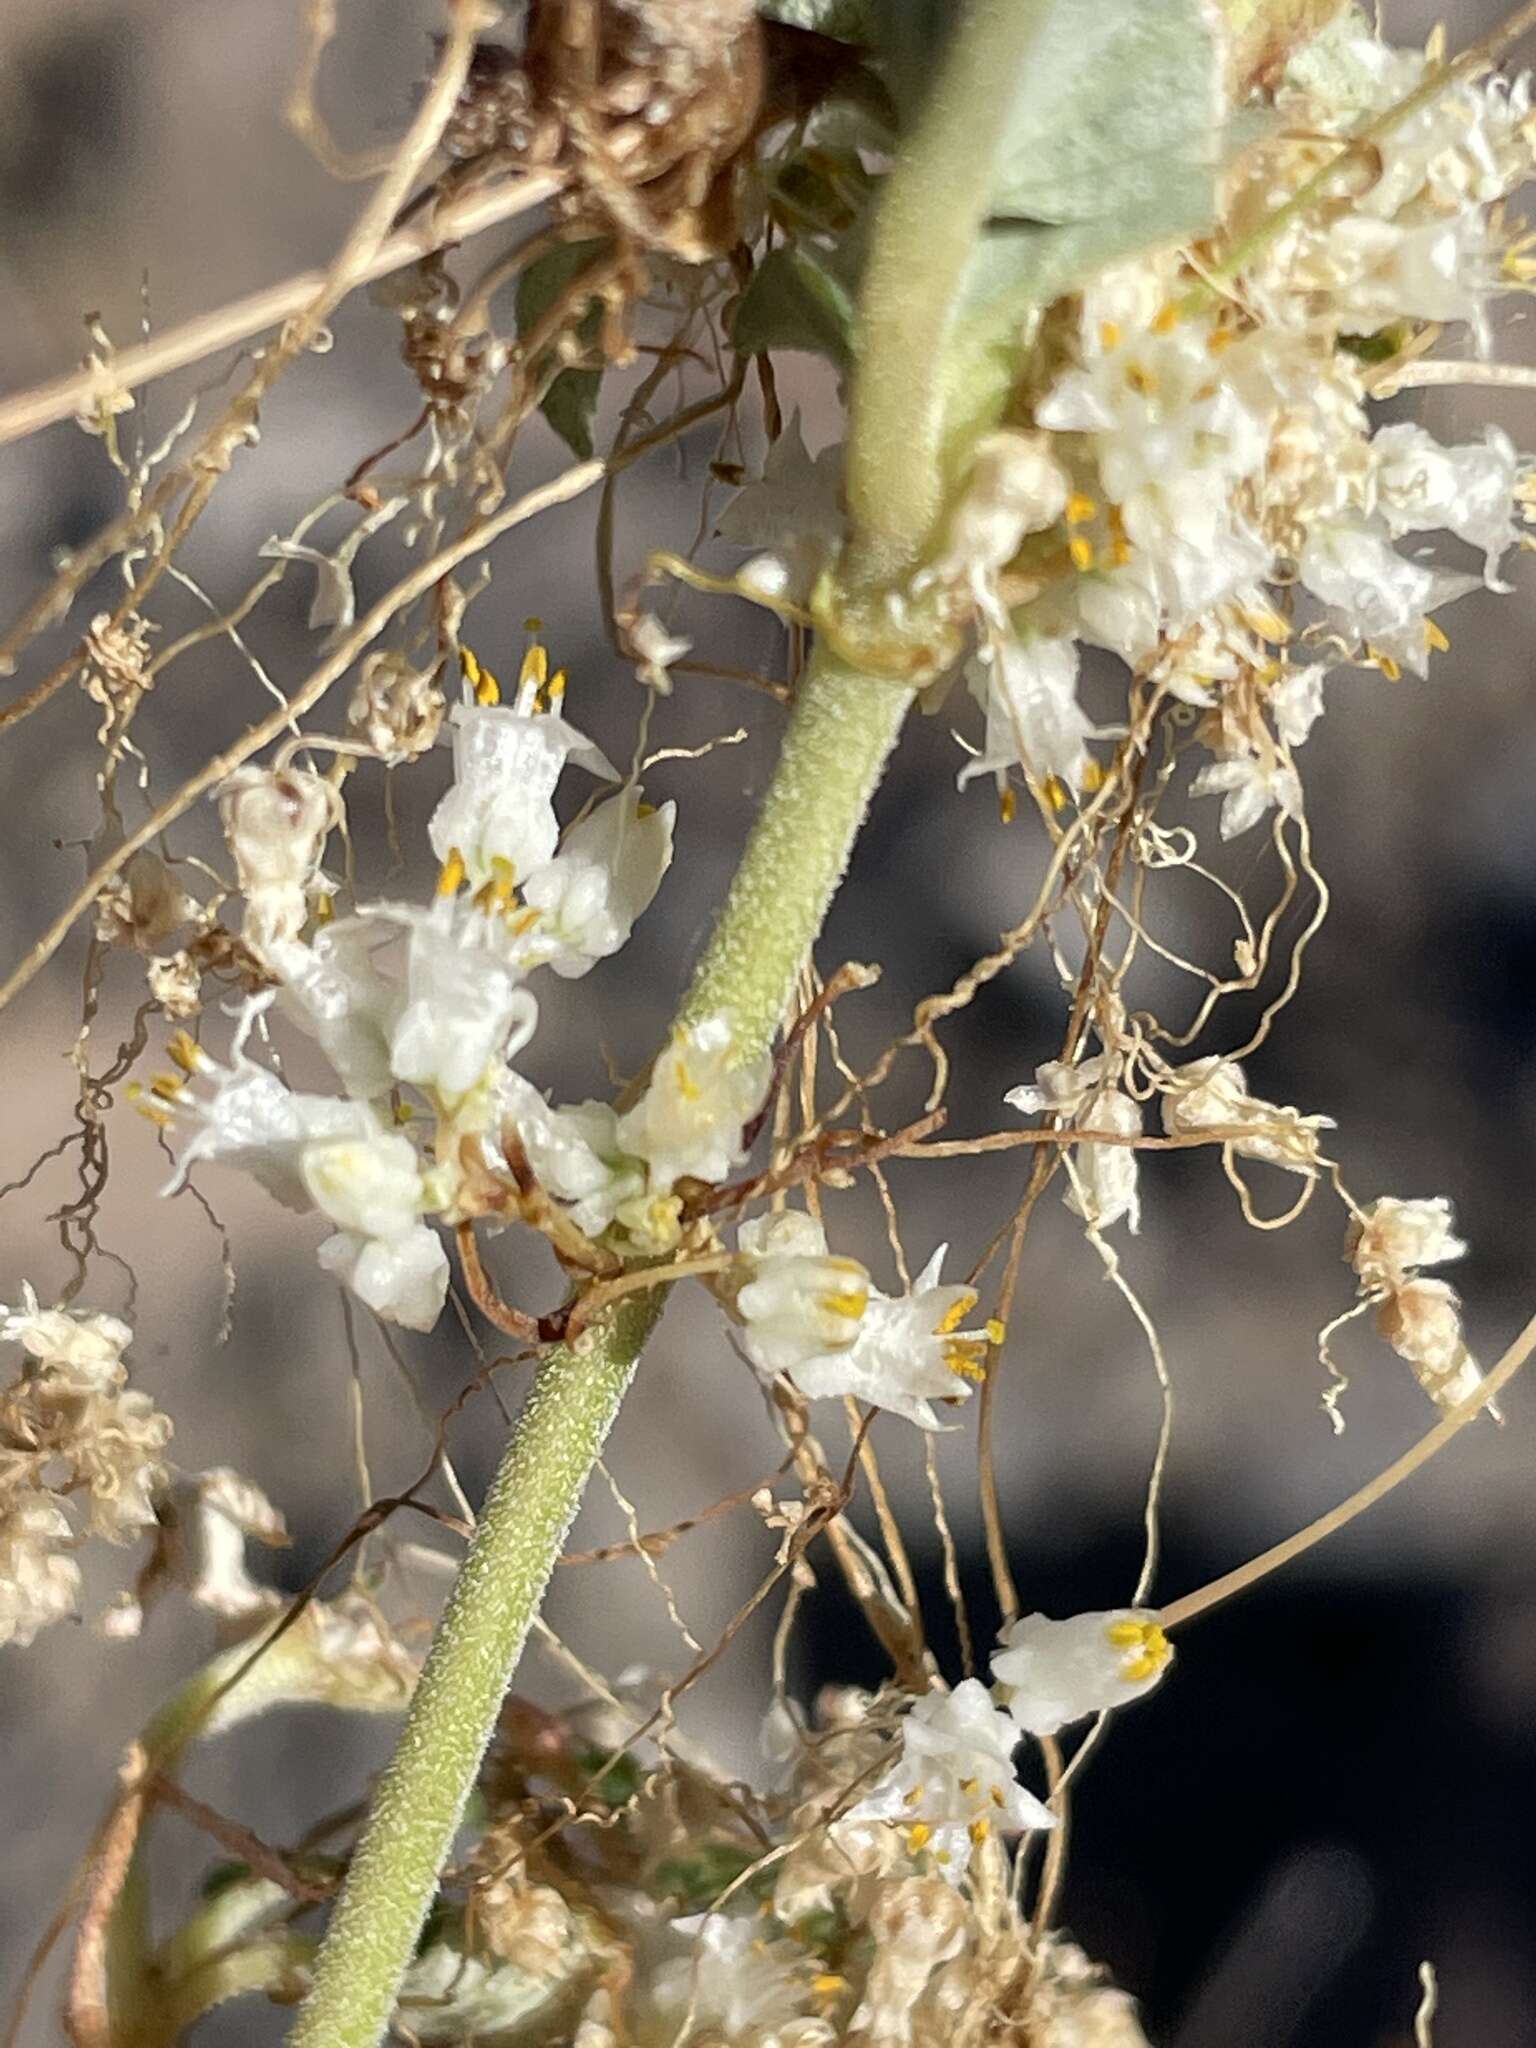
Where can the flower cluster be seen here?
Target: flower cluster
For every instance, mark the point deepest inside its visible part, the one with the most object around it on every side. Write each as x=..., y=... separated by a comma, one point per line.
x=1388, y=1245
x=81, y=1452
x=421, y=1010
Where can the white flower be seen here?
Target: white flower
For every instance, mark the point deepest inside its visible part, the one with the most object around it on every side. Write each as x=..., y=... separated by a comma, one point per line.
x=1015, y=486
x=335, y=990
x=909, y=1351
x=800, y=1303
x=1391, y=1239
x=1249, y=784
x=277, y=826
x=1352, y=566
x=88, y=1347
x=603, y=879
x=498, y=817
x=1028, y=689
x=1211, y=1094
x=463, y=1007
x=1422, y=486
x=701, y=1095
x=1105, y=1181
x=254, y=1120
x=575, y=1152
x=954, y=1782
x=403, y=1278
x=655, y=650
x=206, y=1522
x=793, y=513
x=1296, y=702
x=741, y=1987
x=39, y=1580
x=371, y=1184
x=1056, y=1672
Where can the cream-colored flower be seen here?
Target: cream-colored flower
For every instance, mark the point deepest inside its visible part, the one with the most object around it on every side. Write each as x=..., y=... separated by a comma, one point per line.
x=277, y=826
x=1084, y=1096
x=701, y=1095
x=1052, y=1673
x=799, y=1303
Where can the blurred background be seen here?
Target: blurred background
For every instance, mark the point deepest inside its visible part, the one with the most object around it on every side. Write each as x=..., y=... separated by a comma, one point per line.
x=1339, y=1777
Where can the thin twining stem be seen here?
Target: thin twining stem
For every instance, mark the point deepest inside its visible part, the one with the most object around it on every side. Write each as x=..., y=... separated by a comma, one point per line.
x=228, y=325
x=1376, y=1489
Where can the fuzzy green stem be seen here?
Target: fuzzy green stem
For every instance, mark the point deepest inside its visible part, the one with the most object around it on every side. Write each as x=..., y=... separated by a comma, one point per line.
x=421, y=1797
x=933, y=210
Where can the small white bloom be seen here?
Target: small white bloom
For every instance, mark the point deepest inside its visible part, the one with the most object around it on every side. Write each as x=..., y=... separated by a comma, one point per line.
x=1391, y=1239
x=1056, y=1672
x=1028, y=689
x=39, y=1579
x=463, y=1007
x=800, y=1303
x=954, y=1781
x=88, y=1347
x=792, y=515
x=1352, y=566
x=371, y=1185
x=403, y=1278
x=1212, y=1094
x=276, y=826
x=655, y=650
x=1015, y=487
x=909, y=1351
x=1422, y=486
x=498, y=816
x=335, y=990
x=1249, y=785
x=1084, y=1096
x=575, y=1152
x=603, y=879
x=206, y=1521
x=741, y=1987
x=1296, y=702
x=700, y=1097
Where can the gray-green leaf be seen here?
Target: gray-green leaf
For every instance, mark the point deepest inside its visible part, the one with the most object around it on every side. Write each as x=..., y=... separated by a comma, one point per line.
x=570, y=403
x=792, y=300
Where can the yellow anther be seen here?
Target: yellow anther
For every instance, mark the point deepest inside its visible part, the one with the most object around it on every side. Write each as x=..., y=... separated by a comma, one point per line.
x=1080, y=548
x=556, y=687
x=997, y=1332
x=150, y=1111
x=1109, y=334
x=970, y=1787
x=485, y=686
x=979, y=1829
x=185, y=1051
x=1007, y=803
x=919, y=1835
x=997, y=1796
x=965, y=1357
x=169, y=1087
x=1150, y=1646
x=956, y=1313
x=828, y=1984
x=452, y=874
x=645, y=810
x=503, y=883
x=851, y=1303
x=1120, y=551
x=687, y=1087
x=1140, y=379
x=524, y=921
x=1221, y=338
x=532, y=624
x=1081, y=508
x=535, y=669
x=404, y=1113
x=915, y=1796
x=1165, y=321
x=1264, y=620
x=325, y=907
x=1056, y=793
x=1094, y=775
x=1436, y=637
x=1385, y=663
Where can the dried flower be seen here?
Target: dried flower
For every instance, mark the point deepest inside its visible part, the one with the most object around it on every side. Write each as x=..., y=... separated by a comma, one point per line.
x=277, y=826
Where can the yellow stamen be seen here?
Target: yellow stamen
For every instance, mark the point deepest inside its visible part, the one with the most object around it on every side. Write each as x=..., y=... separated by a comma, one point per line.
x=1221, y=338
x=150, y=1111
x=687, y=1087
x=503, y=883
x=965, y=1357
x=169, y=1087
x=1150, y=1645
x=325, y=907
x=1080, y=548
x=970, y=1787
x=1385, y=663
x=1264, y=620
x=915, y=1796
x=956, y=1313
x=452, y=874
x=404, y=1113
x=919, y=1835
x=1056, y=793
x=1081, y=508
x=535, y=669
x=828, y=1984
x=1140, y=379
x=185, y=1051
x=1109, y=334
x=1094, y=775
x=1007, y=803
x=1436, y=637
x=1166, y=321
x=485, y=686
x=556, y=687
x=524, y=921
x=997, y=1796
x=979, y=1829
x=997, y=1332
x=851, y=1304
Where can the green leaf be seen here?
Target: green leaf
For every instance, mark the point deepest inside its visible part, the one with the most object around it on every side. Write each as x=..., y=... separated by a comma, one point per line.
x=1119, y=100
x=697, y=1881
x=570, y=403
x=793, y=300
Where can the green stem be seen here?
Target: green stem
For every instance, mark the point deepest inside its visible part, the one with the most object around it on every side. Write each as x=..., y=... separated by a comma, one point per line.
x=844, y=726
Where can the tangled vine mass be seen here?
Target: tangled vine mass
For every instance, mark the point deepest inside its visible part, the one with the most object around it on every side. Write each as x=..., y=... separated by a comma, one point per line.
x=1203, y=247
